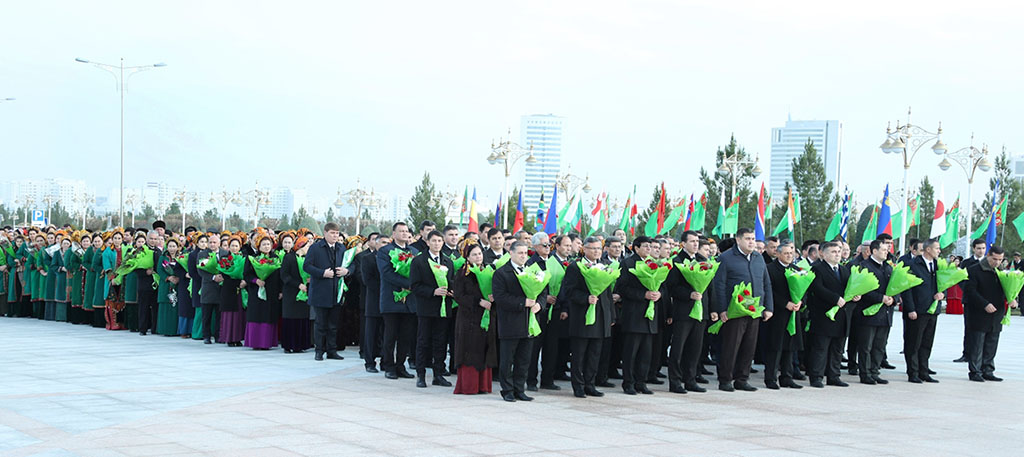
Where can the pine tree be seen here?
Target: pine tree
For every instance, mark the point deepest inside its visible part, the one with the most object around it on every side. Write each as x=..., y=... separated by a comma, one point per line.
x=425, y=204
x=1013, y=190
x=926, y=203
x=716, y=183
x=818, y=200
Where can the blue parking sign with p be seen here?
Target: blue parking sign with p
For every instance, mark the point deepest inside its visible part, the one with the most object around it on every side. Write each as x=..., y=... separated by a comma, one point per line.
x=38, y=218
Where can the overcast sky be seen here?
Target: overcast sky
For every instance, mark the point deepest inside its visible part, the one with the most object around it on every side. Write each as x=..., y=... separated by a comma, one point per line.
x=316, y=93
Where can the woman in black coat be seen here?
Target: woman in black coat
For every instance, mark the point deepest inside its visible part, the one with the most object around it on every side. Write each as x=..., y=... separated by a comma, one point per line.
x=232, y=316
x=296, y=336
x=475, y=348
x=261, y=315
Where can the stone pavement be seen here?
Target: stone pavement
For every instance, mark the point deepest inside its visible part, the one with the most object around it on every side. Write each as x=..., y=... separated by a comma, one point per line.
x=71, y=390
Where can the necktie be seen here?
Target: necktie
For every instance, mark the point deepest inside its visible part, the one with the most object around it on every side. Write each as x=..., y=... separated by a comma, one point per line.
x=835, y=270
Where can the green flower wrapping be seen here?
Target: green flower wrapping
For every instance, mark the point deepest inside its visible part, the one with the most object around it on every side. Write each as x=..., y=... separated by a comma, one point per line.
x=742, y=304
x=484, y=276
x=861, y=282
x=457, y=262
x=304, y=277
x=346, y=260
x=131, y=260
x=946, y=275
x=182, y=259
x=598, y=278
x=264, y=266
x=651, y=275
x=798, y=282
x=1012, y=281
x=533, y=280
x=901, y=281
x=501, y=261
x=441, y=277
x=557, y=271
x=872, y=310
x=231, y=265
x=699, y=275
x=208, y=264
x=401, y=261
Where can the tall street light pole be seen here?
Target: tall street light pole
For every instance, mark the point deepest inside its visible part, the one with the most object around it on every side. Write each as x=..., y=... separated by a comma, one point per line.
x=735, y=164
x=119, y=77
x=359, y=198
x=907, y=140
x=508, y=153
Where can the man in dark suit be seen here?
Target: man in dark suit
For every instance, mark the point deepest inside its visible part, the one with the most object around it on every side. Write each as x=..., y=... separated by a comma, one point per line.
x=497, y=246
x=323, y=264
x=826, y=351
x=739, y=264
x=873, y=331
x=433, y=306
x=374, y=325
x=147, y=294
x=585, y=340
x=399, y=315
x=687, y=333
x=513, y=315
x=978, y=247
x=637, y=330
x=425, y=227
x=985, y=321
x=918, y=323
x=779, y=344
x=547, y=341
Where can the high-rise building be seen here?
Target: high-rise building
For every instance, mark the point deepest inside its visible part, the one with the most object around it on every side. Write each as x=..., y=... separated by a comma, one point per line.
x=788, y=143
x=545, y=132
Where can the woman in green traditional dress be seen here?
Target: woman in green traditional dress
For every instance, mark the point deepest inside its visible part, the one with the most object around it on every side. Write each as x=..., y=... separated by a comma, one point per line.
x=50, y=280
x=73, y=261
x=131, y=289
x=38, y=276
x=20, y=284
x=114, y=293
x=167, y=307
x=101, y=243
x=5, y=271
x=88, y=279
x=60, y=279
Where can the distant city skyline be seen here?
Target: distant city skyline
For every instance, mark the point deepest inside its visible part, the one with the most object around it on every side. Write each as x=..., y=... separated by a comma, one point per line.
x=788, y=143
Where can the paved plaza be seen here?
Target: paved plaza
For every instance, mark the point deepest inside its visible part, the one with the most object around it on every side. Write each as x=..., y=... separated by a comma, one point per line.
x=72, y=390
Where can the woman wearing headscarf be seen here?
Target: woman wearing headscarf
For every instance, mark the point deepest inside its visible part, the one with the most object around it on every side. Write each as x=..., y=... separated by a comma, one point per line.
x=262, y=314
x=50, y=278
x=60, y=272
x=475, y=348
x=77, y=271
x=166, y=291
x=113, y=293
x=295, y=331
x=232, y=315
x=100, y=243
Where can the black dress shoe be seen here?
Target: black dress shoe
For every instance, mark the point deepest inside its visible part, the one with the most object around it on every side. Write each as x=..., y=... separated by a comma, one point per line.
x=550, y=387
x=391, y=375
x=798, y=376
x=334, y=356
x=771, y=384
x=421, y=382
x=605, y=384
x=446, y=373
x=888, y=366
x=404, y=374
x=655, y=381
x=836, y=382
x=508, y=397
x=705, y=371
x=693, y=387
x=754, y=370
x=142, y=333
x=879, y=380
x=744, y=386
x=628, y=390
x=929, y=379
x=853, y=372
x=644, y=390
x=868, y=381
x=521, y=396
x=816, y=383
x=677, y=389
x=319, y=356
x=726, y=387
x=914, y=379
x=593, y=392
x=372, y=370
x=531, y=387
x=975, y=377
x=562, y=377
x=440, y=381
x=930, y=371
x=991, y=377
x=700, y=379
x=660, y=375
x=788, y=383
x=962, y=359
x=578, y=392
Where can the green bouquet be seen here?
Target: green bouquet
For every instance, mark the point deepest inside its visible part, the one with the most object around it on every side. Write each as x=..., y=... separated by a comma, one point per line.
x=231, y=265
x=264, y=266
x=946, y=275
x=133, y=259
x=484, y=276
x=557, y=271
x=501, y=261
x=699, y=275
x=1012, y=281
x=304, y=277
x=651, y=275
x=208, y=264
x=900, y=281
x=861, y=282
x=742, y=304
x=798, y=282
x=598, y=277
x=441, y=277
x=346, y=260
x=457, y=262
x=533, y=280
x=401, y=261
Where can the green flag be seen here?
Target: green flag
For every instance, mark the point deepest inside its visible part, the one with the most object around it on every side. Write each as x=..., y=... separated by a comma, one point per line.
x=952, y=226
x=720, y=220
x=1018, y=223
x=980, y=232
x=562, y=220
x=673, y=218
x=732, y=218
x=871, y=231
x=697, y=218
x=796, y=206
x=833, y=227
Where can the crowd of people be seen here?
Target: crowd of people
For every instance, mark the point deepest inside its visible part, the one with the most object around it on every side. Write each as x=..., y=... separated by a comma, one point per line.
x=461, y=303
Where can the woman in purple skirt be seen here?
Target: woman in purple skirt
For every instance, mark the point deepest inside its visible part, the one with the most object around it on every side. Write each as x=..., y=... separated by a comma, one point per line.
x=262, y=313
x=296, y=336
x=232, y=316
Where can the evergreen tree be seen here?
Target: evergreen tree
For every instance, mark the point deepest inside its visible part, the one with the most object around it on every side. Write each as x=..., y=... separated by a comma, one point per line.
x=1011, y=189
x=425, y=204
x=211, y=220
x=716, y=183
x=819, y=202
x=329, y=217
x=926, y=203
x=284, y=223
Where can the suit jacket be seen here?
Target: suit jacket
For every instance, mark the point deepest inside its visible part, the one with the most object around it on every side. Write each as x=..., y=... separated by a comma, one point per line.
x=634, y=305
x=210, y=289
x=391, y=282
x=679, y=290
x=323, y=292
x=420, y=245
x=883, y=318
x=983, y=288
x=291, y=307
x=371, y=282
x=573, y=298
x=509, y=304
x=736, y=268
x=490, y=257
x=918, y=299
x=776, y=326
x=825, y=292
x=543, y=297
x=423, y=283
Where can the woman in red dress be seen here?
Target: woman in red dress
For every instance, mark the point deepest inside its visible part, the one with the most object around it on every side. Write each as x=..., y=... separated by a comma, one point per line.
x=475, y=350
x=955, y=295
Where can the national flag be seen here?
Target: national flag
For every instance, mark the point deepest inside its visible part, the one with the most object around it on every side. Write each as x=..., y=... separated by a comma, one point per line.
x=952, y=225
x=562, y=220
x=720, y=220
x=759, y=217
x=699, y=213
x=884, y=215
x=551, y=219
x=732, y=217
x=788, y=219
x=939, y=216
x=871, y=231
x=768, y=209
x=915, y=213
x=517, y=223
x=689, y=215
x=465, y=205
x=624, y=223
x=1018, y=224
x=833, y=227
x=1001, y=213
x=673, y=218
x=845, y=227
x=597, y=215
x=633, y=214
x=577, y=220
x=473, y=223
x=656, y=220
x=542, y=209
x=990, y=237
x=497, y=212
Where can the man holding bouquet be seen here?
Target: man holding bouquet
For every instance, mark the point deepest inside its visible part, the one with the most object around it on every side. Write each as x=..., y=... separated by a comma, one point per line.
x=829, y=314
x=872, y=324
x=990, y=303
x=918, y=322
x=512, y=312
x=687, y=327
x=429, y=276
x=323, y=264
x=397, y=305
x=780, y=342
x=590, y=315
